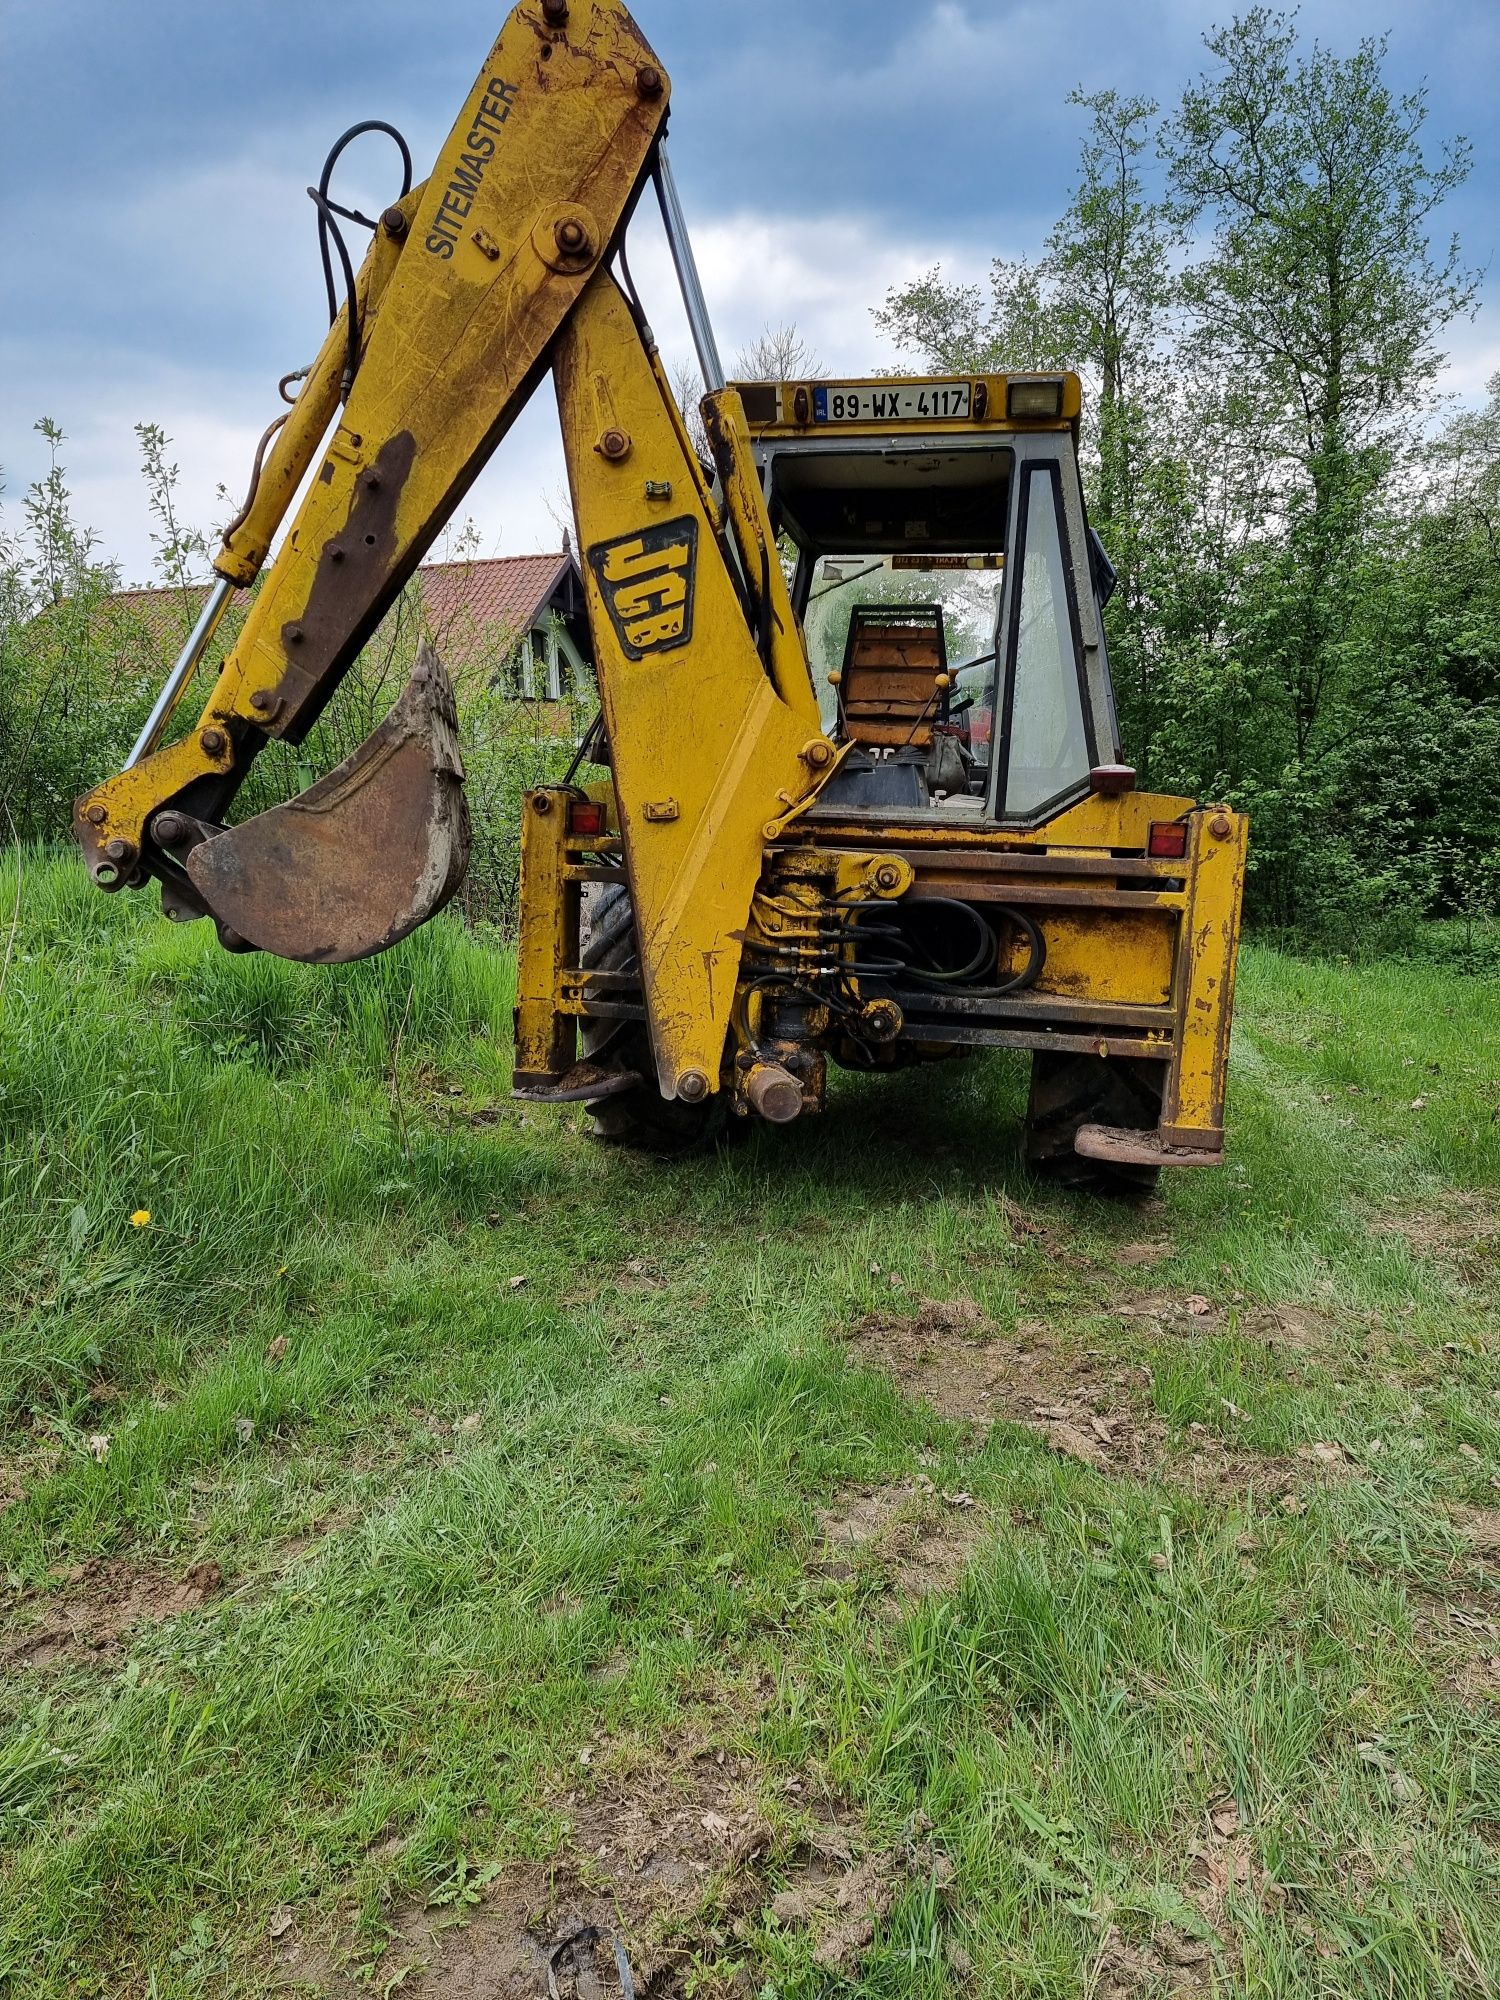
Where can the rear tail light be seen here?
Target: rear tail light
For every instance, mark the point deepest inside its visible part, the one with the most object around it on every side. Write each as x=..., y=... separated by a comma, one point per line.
x=586, y=818
x=1168, y=840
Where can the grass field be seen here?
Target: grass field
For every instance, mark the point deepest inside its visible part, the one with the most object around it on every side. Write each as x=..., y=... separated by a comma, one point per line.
x=837, y=1566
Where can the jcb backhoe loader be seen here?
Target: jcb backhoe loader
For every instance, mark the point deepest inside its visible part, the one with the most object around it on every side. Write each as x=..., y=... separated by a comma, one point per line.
x=930, y=846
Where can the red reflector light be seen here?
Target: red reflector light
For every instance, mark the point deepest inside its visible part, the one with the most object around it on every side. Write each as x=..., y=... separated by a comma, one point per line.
x=586, y=817
x=1168, y=840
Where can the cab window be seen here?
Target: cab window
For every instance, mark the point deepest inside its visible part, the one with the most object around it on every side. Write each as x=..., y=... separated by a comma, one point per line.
x=1046, y=749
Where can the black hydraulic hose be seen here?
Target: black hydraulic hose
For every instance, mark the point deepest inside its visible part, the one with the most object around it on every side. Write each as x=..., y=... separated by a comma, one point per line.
x=956, y=981
x=328, y=227
x=590, y=742
x=989, y=946
x=328, y=211
x=1029, y=974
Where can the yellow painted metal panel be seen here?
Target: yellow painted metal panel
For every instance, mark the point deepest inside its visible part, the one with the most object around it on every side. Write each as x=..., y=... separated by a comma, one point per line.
x=546, y=1039
x=702, y=744
x=1121, y=956
x=1207, y=954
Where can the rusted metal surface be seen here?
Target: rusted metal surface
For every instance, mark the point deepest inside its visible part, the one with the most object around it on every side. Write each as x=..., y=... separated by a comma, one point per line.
x=1030, y=861
x=356, y=579
x=1045, y=1007
x=1097, y=896
x=584, y=1083
x=945, y=1028
x=364, y=856
x=1115, y=1147
x=774, y=1094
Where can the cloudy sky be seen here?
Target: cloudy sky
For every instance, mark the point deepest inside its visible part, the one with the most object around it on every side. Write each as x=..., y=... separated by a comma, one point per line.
x=159, y=255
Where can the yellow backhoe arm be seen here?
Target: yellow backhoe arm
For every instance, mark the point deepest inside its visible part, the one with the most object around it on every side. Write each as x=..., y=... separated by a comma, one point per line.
x=474, y=275
x=478, y=282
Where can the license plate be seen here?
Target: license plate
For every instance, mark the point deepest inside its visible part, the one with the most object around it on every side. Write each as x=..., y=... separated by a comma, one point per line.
x=902, y=403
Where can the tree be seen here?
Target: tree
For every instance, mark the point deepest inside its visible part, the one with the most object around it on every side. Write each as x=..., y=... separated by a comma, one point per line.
x=777, y=354
x=1319, y=302
x=1099, y=300
x=180, y=550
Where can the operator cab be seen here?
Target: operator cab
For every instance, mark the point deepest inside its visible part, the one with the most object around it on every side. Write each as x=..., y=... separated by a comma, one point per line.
x=949, y=591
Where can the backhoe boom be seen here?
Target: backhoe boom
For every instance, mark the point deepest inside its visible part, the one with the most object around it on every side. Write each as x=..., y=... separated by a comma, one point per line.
x=949, y=853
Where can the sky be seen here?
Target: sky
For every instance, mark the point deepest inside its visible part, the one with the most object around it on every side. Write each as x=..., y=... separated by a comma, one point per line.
x=158, y=249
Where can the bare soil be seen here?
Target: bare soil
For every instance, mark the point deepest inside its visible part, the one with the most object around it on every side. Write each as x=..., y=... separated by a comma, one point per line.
x=1085, y=1403
x=1461, y=1630
x=98, y=1603
x=1462, y=1230
x=912, y=1538
x=672, y=1857
x=1459, y=1623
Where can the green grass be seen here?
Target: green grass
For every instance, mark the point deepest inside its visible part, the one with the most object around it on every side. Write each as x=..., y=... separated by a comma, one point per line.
x=467, y=1526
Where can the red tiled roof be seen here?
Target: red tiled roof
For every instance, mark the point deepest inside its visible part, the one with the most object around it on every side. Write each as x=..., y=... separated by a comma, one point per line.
x=505, y=592
x=508, y=591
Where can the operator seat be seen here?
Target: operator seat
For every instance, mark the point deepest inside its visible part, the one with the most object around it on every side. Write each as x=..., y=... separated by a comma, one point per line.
x=889, y=697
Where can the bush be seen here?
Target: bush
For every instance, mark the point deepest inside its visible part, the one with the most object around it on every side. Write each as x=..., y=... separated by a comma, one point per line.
x=80, y=665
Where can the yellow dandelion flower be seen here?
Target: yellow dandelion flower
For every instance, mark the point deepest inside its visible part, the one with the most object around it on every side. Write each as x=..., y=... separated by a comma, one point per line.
x=140, y=1219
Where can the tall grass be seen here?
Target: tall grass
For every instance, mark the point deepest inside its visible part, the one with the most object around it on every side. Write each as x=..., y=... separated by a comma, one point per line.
x=509, y=1447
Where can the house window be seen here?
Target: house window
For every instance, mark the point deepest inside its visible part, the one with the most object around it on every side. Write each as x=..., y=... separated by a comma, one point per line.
x=515, y=672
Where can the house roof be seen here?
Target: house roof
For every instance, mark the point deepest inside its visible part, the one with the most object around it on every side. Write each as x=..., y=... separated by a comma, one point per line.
x=510, y=593
x=507, y=591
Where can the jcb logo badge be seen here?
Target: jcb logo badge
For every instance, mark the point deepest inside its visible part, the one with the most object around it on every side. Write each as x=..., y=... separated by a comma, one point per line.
x=648, y=583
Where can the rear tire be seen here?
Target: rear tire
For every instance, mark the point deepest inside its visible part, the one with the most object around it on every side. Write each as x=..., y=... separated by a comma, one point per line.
x=1070, y=1091
x=640, y=1117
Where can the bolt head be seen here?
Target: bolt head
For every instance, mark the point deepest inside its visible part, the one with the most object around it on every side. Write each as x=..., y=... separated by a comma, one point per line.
x=615, y=445
x=394, y=223
x=887, y=876
x=554, y=12
x=96, y=815
x=649, y=82
x=692, y=1087
x=214, y=742
x=169, y=828
x=262, y=698
x=119, y=850
x=1220, y=827
x=542, y=803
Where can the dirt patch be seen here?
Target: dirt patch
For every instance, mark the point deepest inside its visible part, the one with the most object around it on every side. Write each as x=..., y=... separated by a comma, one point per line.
x=27, y=1466
x=1133, y=1255
x=1079, y=1402
x=1168, y=1963
x=842, y=1906
x=98, y=1603
x=1482, y=1527
x=670, y=1856
x=1463, y=1229
x=1087, y=1404
x=1222, y=1872
x=917, y=1537
x=1461, y=1632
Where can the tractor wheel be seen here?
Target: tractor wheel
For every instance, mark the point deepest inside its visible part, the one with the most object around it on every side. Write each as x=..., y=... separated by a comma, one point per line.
x=1069, y=1091
x=641, y=1117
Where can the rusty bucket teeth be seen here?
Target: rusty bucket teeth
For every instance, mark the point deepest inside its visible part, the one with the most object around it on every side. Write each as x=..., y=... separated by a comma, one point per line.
x=363, y=857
